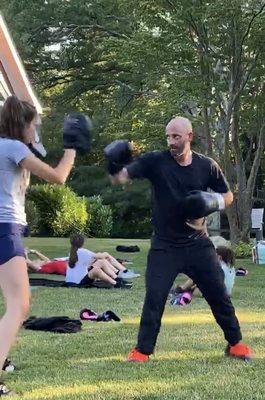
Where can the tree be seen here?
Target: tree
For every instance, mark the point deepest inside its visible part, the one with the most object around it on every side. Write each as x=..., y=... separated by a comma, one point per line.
x=232, y=68
x=132, y=72
x=227, y=41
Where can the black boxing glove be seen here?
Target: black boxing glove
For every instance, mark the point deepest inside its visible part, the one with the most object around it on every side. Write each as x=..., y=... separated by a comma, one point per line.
x=77, y=129
x=118, y=154
x=199, y=204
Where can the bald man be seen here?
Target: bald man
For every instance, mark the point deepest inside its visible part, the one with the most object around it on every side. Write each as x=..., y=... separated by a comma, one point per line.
x=177, y=246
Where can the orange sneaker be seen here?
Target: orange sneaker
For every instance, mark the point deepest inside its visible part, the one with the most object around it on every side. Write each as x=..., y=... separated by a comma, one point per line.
x=239, y=350
x=136, y=356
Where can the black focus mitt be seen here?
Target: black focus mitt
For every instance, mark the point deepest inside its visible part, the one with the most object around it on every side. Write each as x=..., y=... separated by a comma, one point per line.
x=118, y=154
x=77, y=129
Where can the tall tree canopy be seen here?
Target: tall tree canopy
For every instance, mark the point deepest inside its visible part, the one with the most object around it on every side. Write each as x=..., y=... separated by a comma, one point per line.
x=134, y=65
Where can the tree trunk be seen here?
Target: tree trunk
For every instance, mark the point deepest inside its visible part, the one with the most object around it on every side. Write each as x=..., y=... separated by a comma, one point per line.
x=245, y=217
x=233, y=221
x=227, y=112
x=239, y=218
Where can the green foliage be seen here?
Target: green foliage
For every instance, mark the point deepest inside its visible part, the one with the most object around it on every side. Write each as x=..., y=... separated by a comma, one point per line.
x=243, y=250
x=130, y=204
x=89, y=180
x=100, y=219
x=133, y=65
x=33, y=217
x=61, y=211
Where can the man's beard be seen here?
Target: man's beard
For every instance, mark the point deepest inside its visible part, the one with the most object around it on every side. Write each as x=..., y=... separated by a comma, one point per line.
x=177, y=151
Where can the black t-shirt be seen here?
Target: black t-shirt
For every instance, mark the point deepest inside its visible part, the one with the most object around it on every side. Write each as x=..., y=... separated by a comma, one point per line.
x=172, y=182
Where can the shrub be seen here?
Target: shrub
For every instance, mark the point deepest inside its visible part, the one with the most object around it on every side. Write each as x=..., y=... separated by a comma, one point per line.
x=89, y=180
x=33, y=217
x=131, y=207
x=100, y=219
x=61, y=211
x=130, y=204
x=243, y=250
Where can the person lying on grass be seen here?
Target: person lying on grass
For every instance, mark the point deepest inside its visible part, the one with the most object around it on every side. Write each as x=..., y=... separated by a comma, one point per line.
x=84, y=266
x=44, y=265
x=227, y=261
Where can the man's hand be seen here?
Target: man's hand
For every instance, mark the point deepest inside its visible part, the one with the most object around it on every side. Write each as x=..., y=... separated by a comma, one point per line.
x=118, y=154
x=198, y=224
x=121, y=177
x=199, y=204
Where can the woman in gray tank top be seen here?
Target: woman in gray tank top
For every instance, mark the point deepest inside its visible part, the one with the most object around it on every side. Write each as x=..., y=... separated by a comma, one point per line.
x=17, y=130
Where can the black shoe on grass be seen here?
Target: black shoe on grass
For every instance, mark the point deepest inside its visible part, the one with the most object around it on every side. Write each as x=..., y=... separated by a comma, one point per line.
x=4, y=391
x=8, y=366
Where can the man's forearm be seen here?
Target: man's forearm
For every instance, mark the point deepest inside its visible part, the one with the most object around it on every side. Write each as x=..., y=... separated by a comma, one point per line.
x=121, y=177
x=228, y=198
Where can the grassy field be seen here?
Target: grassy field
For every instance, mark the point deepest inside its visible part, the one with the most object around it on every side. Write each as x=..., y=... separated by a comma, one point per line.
x=189, y=361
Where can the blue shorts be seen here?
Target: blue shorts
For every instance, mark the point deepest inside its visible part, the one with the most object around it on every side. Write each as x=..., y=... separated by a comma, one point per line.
x=11, y=244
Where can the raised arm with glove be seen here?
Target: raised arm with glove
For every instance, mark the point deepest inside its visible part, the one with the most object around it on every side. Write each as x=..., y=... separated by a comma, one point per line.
x=76, y=139
x=118, y=154
x=77, y=129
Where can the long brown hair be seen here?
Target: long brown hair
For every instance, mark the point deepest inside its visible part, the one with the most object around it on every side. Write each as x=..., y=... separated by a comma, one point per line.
x=14, y=118
x=76, y=241
x=227, y=254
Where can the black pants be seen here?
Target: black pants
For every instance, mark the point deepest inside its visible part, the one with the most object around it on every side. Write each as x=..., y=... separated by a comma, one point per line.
x=200, y=263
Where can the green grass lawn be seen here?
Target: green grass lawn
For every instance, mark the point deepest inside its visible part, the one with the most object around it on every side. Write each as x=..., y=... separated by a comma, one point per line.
x=188, y=364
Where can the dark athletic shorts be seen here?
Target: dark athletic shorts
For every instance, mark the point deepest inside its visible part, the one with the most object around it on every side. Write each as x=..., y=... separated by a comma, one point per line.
x=11, y=244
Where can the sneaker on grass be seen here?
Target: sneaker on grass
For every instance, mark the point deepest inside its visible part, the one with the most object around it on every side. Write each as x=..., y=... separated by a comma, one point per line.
x=137, y=356
x=128, y=274
x=4, y=391
x=240, y=351
x=8, y=366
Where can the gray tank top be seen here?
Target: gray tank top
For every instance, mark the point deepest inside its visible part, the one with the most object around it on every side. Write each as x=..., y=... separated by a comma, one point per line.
x=13, y=181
